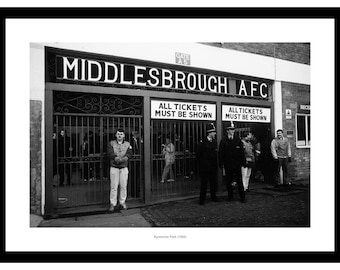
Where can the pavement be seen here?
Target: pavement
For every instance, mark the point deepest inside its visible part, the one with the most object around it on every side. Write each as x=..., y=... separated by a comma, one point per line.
x=124, y=218
x=265, y=206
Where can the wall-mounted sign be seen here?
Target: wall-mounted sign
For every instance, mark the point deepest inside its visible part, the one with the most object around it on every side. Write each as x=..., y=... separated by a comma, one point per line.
x=303, y=108
x=288, y=114
x=161, y=109
x=245, y=114
x=182, y=58
x=89, y=69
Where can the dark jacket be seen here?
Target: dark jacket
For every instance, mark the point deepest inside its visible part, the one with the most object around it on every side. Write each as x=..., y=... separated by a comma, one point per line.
x=231, y=153
x=64, y=146
x=206, y=155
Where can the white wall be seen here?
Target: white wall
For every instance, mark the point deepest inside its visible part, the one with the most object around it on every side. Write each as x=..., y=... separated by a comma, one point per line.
x=37, y=92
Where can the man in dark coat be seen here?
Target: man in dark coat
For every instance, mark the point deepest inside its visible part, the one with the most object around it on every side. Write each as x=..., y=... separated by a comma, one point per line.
x=231, y=158
x=206, y=155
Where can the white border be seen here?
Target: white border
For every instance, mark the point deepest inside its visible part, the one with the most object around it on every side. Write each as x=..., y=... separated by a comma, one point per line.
x=20, y=33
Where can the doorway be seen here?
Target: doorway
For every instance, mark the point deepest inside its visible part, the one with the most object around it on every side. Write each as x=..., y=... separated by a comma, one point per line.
x=83, y=125
x=184, y=135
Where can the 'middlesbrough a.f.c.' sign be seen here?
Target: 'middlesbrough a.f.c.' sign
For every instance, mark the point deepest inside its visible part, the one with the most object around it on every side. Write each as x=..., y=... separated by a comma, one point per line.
x=143, y=75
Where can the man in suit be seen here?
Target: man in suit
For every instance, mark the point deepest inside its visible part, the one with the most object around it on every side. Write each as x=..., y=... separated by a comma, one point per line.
x=231, y=158
x=206, y=155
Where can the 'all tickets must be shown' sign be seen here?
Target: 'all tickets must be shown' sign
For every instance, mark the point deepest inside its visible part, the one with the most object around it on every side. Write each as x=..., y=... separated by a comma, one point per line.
x=245, y=114
x=161, y=109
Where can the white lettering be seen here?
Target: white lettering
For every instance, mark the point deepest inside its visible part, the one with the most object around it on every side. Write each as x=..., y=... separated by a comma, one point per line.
x=242, y=88
x=72, y=66
x=252, y=88
x=179, y=79
x=122, y=79
x=222, y=84
x=138, y=75
x=90, y=63
x=83, y=69
x=200, y=82
x=261, y=90
x=209, y=84
x=193, y=85
x=166, y=78
x=151, y=71
x=115, y=73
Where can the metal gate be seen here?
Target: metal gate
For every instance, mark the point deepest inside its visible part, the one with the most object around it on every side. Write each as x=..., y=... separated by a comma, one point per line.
x=83, y=126
x=185, y=135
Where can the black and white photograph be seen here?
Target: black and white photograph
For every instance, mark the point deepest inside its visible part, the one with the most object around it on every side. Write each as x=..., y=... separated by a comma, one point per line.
x=205, y=134
x=178, y=135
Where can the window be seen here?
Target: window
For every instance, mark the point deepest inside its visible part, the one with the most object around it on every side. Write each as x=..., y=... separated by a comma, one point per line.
x=302, y=130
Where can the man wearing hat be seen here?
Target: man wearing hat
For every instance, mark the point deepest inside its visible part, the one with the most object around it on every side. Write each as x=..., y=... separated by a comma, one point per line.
x=206, y=155
x=231, y=157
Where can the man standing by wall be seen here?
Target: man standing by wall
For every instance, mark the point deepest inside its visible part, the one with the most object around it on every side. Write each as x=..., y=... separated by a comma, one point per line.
x=231, y=157
x=206, y=155
x=119, y=152
x=281, y=151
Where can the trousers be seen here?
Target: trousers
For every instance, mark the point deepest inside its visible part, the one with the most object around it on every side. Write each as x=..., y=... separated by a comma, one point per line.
x=281, y=162
x=168, y=169
x=118, y=177
x=211, y=177
x=246, y=172
x=234, y=174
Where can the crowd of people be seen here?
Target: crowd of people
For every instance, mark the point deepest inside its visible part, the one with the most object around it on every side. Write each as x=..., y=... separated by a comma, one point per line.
x=238, y=158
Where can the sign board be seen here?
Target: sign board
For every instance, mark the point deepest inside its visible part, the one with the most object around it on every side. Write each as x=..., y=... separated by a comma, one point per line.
x=304, y=108
x=288, y=114
x=161, y=109
x=79, y=68
x=245, y=114
x=182, y=58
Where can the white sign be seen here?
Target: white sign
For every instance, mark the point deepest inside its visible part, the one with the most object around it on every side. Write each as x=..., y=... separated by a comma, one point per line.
x=288, y=114
x=182, y=58
x=161, y=109
x=245, y=114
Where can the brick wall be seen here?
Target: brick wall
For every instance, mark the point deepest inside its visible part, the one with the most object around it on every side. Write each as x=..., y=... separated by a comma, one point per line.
x=35, y=156
x=292, y=95
x=296, y=52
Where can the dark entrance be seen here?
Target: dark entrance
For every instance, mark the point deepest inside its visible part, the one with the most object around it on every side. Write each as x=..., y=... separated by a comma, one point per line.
x=262, y=132
x=80, y=165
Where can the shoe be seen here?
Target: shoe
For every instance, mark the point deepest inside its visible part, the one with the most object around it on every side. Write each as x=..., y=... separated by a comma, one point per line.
x=201, y=202
x=123, y=206
x=215, y=199
x=112, y=208
x=170, y=180
x=162, y=181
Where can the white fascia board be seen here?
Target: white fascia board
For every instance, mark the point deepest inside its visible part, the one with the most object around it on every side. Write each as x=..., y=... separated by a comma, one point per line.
x=201, y=56
x=292, y=72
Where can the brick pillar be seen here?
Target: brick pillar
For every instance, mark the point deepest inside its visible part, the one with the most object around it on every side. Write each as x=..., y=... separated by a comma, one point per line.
x=35, y=156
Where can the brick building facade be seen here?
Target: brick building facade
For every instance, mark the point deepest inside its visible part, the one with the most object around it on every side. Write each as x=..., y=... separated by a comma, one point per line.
x=273, y=77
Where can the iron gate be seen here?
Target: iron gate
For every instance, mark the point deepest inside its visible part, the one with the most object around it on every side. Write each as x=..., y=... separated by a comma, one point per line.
x=185, y=135
x=80, y=165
